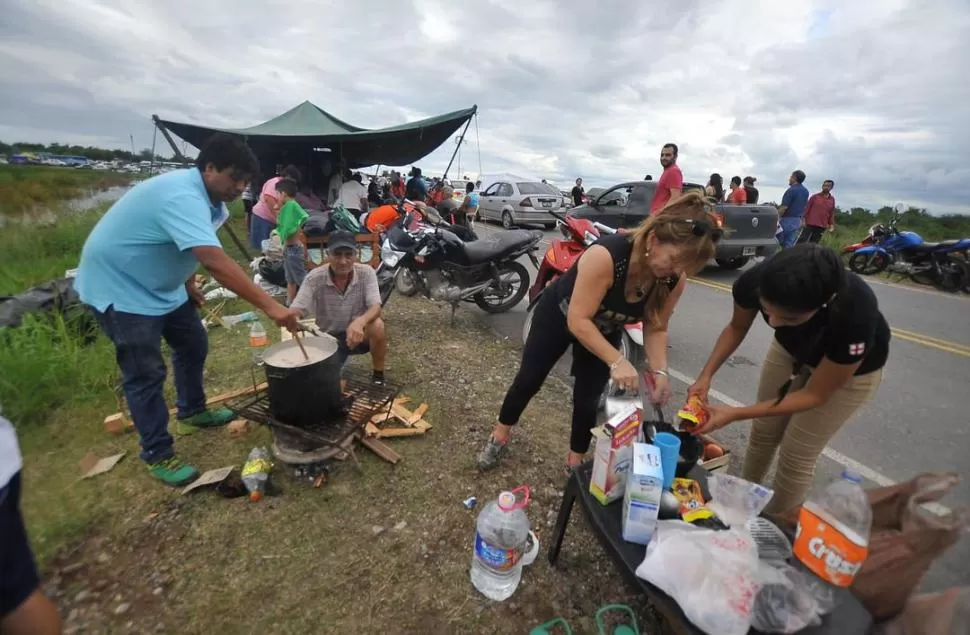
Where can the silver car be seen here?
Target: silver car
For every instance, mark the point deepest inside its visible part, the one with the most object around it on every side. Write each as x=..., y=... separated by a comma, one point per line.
x=514, y=203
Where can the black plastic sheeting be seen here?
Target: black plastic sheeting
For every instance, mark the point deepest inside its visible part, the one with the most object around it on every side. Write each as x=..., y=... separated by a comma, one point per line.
x=56, y=297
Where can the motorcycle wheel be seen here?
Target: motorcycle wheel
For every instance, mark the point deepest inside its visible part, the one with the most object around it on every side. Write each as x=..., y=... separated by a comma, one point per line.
x=952, y=278
x=862, y=264
x=385, y=282
x=520, y=286
x=405, y=283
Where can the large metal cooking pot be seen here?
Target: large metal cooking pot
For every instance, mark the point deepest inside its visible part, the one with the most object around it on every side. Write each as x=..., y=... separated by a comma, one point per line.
x=307, y=394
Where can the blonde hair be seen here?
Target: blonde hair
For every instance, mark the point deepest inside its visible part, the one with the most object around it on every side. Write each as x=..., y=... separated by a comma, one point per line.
x=688, y=222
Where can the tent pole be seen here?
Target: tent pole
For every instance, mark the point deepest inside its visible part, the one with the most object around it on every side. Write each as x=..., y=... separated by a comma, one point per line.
x=461, y=139
x=160, y=126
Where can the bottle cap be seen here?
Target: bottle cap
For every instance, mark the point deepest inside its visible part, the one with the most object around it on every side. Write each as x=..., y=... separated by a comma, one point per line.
x=851, y=476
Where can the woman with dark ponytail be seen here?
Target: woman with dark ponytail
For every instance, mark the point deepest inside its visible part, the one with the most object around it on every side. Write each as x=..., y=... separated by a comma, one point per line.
x=825, y=362
x=622, y=279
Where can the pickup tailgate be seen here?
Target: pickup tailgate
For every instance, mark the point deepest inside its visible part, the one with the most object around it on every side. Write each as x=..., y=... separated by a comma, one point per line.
x=751, y=230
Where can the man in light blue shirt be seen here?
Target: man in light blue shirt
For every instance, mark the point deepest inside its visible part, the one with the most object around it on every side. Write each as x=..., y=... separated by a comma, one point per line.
x=136, y=273
x=792, y=209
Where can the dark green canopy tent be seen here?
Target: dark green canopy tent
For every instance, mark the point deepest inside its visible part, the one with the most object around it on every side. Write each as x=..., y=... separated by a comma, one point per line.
x=301, y=134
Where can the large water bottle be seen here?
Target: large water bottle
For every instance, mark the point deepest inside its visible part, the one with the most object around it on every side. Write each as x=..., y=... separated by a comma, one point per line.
x=501, y=538
x=832, y=540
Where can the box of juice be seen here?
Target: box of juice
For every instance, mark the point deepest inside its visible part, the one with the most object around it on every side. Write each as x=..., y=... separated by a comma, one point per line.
x=613, y=453
x=641, y=498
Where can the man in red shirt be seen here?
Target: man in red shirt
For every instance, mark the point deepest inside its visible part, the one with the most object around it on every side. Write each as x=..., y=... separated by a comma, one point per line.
x=671, y=182
x=819, y=214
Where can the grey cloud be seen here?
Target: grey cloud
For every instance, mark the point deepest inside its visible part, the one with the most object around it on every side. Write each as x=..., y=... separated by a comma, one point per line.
x=565, y=88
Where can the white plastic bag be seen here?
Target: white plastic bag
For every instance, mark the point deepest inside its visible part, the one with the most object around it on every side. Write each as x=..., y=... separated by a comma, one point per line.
x=736, y=500
x=713, y=575
x=785, y=603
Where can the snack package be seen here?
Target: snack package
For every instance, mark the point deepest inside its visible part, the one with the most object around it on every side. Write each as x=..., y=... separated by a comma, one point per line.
x=693, y=413
x=688, y=494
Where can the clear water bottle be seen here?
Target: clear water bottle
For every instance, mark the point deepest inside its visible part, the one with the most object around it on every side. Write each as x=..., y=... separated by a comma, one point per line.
x=501, y=539
x=255, y=472
x=832, y=539
x=257, y=335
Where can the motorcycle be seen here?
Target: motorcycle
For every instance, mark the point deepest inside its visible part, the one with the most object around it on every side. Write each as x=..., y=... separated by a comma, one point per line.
x=426, y=257
x=578, y=235
x=906, y=253
x=876, y=232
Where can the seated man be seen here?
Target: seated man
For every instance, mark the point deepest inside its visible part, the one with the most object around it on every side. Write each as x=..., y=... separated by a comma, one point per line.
x=344, y=298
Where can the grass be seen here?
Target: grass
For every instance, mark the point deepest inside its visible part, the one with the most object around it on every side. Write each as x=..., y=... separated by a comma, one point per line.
x=24, y=188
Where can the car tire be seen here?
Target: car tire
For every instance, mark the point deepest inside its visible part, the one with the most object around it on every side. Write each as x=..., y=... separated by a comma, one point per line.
x=507, y=221
x=732, y=263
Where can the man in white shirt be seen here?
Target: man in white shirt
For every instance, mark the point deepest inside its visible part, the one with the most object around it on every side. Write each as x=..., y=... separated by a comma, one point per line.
x=23, y=607
x=353, y=194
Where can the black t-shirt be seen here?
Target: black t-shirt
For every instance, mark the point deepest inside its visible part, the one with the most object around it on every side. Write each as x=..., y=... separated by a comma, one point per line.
x=578, y=195
x=752, y=194
x=614, y=310
x=850, y=330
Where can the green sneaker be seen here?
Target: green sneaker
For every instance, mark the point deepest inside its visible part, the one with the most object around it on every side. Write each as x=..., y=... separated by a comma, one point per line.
x=172, y=471
x=208, y=419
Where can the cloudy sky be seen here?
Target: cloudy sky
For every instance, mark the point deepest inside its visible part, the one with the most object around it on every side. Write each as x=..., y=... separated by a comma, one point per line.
x=871, y=93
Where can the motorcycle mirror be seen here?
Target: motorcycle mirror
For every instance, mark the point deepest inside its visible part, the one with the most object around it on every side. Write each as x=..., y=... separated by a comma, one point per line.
x=900, y=208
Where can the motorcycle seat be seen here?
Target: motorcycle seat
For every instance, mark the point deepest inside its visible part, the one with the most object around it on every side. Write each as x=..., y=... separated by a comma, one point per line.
x=934, y=246
x=496, y=245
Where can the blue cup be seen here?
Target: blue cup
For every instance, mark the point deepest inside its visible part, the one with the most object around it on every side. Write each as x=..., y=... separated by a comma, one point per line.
x=669, y=446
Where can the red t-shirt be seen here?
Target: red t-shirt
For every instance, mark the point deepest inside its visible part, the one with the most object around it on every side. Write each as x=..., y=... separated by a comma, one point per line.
x=671, y=179
x=820, y=210
x=738, y=196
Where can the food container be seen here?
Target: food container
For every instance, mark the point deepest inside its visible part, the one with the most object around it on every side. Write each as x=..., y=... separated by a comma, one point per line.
x=303, y=393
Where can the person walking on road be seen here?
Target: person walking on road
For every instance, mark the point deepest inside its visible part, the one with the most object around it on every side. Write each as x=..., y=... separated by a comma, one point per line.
x=819, y=214
x=578, y=193
x=137, y=275
x=825, y=362
x=791, y=212
x=671, y=182
x=622, y=279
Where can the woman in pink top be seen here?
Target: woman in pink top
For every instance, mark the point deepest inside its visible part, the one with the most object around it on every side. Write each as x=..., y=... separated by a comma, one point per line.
x=267, y=207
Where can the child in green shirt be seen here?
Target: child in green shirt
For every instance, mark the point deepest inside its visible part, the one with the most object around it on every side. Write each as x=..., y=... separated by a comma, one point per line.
x=288, y=224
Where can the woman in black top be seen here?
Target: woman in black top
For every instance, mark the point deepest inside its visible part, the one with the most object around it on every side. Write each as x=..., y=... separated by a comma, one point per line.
x=622, y=279
x=831, y=343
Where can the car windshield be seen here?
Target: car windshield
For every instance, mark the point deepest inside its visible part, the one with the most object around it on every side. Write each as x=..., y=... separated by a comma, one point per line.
x=534, y=188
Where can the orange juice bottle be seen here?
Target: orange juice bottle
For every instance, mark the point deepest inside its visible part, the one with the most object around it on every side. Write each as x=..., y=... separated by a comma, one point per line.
x=257, y=335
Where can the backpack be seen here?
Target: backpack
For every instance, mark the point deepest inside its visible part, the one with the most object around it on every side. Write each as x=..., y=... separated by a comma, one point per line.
x=340, y=218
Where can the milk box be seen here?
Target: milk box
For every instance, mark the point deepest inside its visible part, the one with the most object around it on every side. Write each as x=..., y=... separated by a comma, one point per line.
x=641, y=499
x=613, y=453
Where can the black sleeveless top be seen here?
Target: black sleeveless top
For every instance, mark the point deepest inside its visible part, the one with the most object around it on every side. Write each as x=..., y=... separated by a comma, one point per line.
x=614, y=310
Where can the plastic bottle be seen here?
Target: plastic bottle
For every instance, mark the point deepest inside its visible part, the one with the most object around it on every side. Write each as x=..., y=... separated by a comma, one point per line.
x=257, y=335
x=232, y=320
x=832, y=539
x=501, y=537
x=255, y=472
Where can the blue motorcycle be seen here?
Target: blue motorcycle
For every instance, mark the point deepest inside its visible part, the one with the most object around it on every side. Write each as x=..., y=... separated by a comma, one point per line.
x=942, y=265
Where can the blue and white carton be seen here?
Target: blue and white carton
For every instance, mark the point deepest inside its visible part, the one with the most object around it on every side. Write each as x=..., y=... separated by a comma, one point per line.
x=641, y=499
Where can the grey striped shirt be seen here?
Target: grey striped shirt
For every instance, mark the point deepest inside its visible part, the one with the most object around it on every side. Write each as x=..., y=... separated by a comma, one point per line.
x=333, y=310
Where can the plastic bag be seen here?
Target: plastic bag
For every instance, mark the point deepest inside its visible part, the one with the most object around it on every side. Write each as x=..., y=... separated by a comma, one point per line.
x=713, y=575
x=735, y=500
x=785, y=603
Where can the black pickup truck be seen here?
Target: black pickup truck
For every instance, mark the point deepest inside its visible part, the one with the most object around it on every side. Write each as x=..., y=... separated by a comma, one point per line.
x=751, y=227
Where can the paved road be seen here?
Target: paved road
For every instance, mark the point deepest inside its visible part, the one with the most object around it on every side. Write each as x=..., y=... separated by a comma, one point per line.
x=917, y=423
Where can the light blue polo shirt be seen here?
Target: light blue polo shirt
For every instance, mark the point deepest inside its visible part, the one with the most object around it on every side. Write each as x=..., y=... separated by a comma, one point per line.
x=138, y=257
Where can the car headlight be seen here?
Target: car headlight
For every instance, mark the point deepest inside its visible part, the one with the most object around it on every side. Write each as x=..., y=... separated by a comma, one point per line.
x=589, y=238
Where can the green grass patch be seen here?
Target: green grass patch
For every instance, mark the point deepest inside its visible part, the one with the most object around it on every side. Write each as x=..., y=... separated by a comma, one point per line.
x=25, y=188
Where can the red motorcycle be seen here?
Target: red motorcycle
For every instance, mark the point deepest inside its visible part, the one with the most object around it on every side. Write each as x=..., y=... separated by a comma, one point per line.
x=876, y=232
x=578, y=235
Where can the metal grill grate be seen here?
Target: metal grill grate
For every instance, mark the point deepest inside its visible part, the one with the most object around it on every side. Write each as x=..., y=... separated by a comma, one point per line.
x=363, y=399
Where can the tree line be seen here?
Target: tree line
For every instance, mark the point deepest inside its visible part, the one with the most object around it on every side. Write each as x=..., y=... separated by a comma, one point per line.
x=95, y=154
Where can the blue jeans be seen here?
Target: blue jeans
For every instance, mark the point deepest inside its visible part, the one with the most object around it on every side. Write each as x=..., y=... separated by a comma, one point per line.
x=259, y=230
x=138, y=350
x=790, y=228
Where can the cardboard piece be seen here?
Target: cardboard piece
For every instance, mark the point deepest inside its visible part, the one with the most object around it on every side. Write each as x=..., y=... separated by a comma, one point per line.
x=91, y=465
x=613, y=454
x=212, y=477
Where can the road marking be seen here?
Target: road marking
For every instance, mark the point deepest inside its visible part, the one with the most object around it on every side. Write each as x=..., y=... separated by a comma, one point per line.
x=863, y=470
x=926, y=340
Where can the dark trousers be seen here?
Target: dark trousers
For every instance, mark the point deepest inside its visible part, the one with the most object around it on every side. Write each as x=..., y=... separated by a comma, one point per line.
x=138, y=350
x=548, y=340
x=811, y=234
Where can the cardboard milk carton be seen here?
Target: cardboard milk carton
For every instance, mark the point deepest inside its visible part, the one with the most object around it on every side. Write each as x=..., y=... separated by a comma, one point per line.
x=613, y=452
x=641, y=500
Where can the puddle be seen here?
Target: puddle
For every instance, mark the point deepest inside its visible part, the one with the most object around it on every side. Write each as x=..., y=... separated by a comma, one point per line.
x=73, y=206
